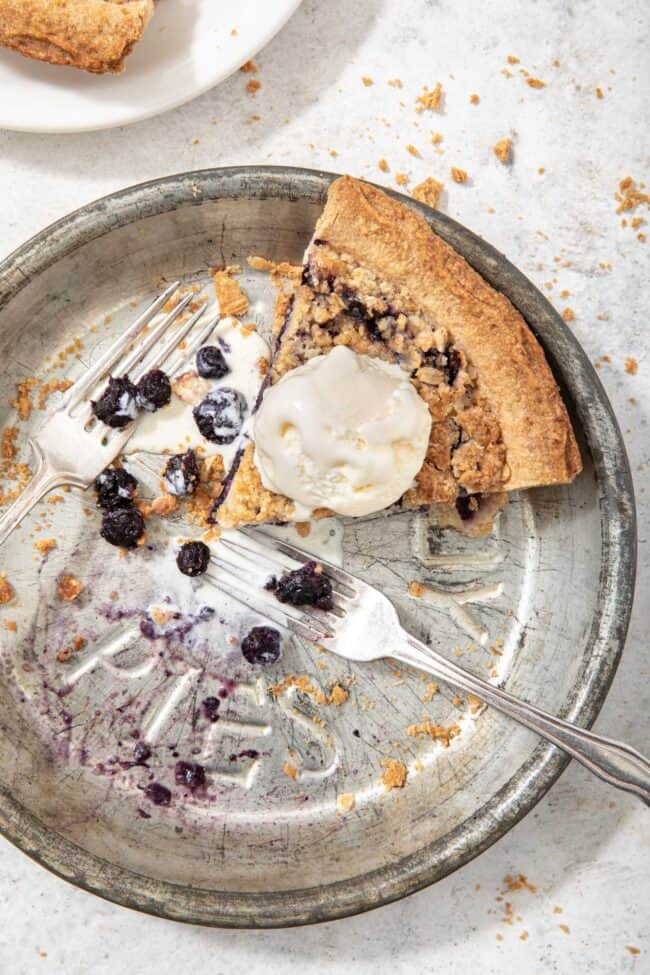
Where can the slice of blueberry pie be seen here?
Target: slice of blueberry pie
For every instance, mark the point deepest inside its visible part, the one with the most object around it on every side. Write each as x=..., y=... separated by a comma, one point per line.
x=338, y=429
x=95, y=35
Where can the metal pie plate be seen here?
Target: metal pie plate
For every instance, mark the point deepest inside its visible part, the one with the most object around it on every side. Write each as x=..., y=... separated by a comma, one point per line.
x=543, y=604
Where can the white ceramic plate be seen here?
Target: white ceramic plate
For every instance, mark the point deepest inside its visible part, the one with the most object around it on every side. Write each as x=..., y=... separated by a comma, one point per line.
x=188, y=48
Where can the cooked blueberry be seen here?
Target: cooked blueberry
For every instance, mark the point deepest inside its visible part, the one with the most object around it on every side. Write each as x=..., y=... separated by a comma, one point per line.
x=182, y=474
x=210, y=363
x=117, y=405
x=219, y=416
x=307, y=586
x=453, y=364
x=467, y=505
x=141, y=752
x=159, y=794
x=211, y=707
x=115, y=488
x=261, y=646
x=154, y=390
x=189, y=774
x=122, y=526
x=193, y=558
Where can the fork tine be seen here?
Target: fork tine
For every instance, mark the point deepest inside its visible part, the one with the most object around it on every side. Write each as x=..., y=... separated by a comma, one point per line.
x=153, y=336
x=301, y=556
x=341, y=603
x=264, y=608
x=193, y=344
x=85, y=383
x=161, y=356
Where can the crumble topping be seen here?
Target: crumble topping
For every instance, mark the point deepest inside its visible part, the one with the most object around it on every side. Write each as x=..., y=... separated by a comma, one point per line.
x=395, y=774
x=436, y=732
x=6, y=590
x=346, y=802
x=69, y=588
x=535, y=83
x=232, y=300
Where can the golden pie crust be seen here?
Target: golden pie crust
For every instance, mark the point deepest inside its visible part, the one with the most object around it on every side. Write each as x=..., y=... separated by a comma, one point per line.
x=378, y=280
x=95, y=35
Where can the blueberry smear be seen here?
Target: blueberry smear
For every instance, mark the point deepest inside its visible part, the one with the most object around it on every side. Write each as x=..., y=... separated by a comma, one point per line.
x=182, y=474
x=154, y=390
x=261, y=646
x=193, y=558
x=159, y=794
x=211, y=707
x=117, y=406
x=189, y=774
x=220, y=415
x=122, y=527
x=307, y=586
x=115, y=488
x=210, y=363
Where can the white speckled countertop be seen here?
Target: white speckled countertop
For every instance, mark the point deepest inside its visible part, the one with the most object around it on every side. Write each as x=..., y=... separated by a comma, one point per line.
x=584, y=847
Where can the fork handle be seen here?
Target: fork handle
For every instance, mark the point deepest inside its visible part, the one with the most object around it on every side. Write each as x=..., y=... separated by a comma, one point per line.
x=613, y=761
x=45, y=479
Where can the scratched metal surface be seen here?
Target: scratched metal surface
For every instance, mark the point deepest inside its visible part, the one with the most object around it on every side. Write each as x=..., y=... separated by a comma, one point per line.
x=550, y=591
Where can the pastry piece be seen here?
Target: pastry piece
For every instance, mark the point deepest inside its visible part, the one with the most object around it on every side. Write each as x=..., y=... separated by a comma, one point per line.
x=96, y=35
x=379, y=281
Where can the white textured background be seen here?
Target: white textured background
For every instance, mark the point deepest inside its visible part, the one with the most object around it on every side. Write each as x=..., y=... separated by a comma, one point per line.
x=584, y=847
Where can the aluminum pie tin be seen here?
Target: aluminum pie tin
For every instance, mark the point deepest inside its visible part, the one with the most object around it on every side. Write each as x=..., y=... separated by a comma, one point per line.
x=543, y=604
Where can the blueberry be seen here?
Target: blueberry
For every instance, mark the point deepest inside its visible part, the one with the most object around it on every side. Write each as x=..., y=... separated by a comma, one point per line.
x=467, y=505
x=189, y=774
x=115, y=488
x=210, y=363
x=211, y=707
x=141, y=752
x=219, y=416
x=122, y=526
x=307, y=586
x=453, y=364
x=159, y=794
x=261, y=646
x=154, y=390
x=182, y=474
x=193, y=558
x=117, y=405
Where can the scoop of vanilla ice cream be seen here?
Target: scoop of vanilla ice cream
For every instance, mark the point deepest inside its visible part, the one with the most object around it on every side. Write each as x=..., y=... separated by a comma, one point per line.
x=343, y=431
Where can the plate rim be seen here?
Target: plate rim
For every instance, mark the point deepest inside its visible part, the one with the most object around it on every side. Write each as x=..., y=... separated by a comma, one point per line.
x=248, y=52
x=531, y=781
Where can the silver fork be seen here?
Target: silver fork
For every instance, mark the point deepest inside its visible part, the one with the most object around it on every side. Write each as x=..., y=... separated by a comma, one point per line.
x=72, y=447
x=363, y=625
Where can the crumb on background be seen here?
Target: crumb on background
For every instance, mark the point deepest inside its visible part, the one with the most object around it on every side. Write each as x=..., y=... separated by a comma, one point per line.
x=429, y=100
x=428, y=191
x=503, y=150
x=458, y=175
